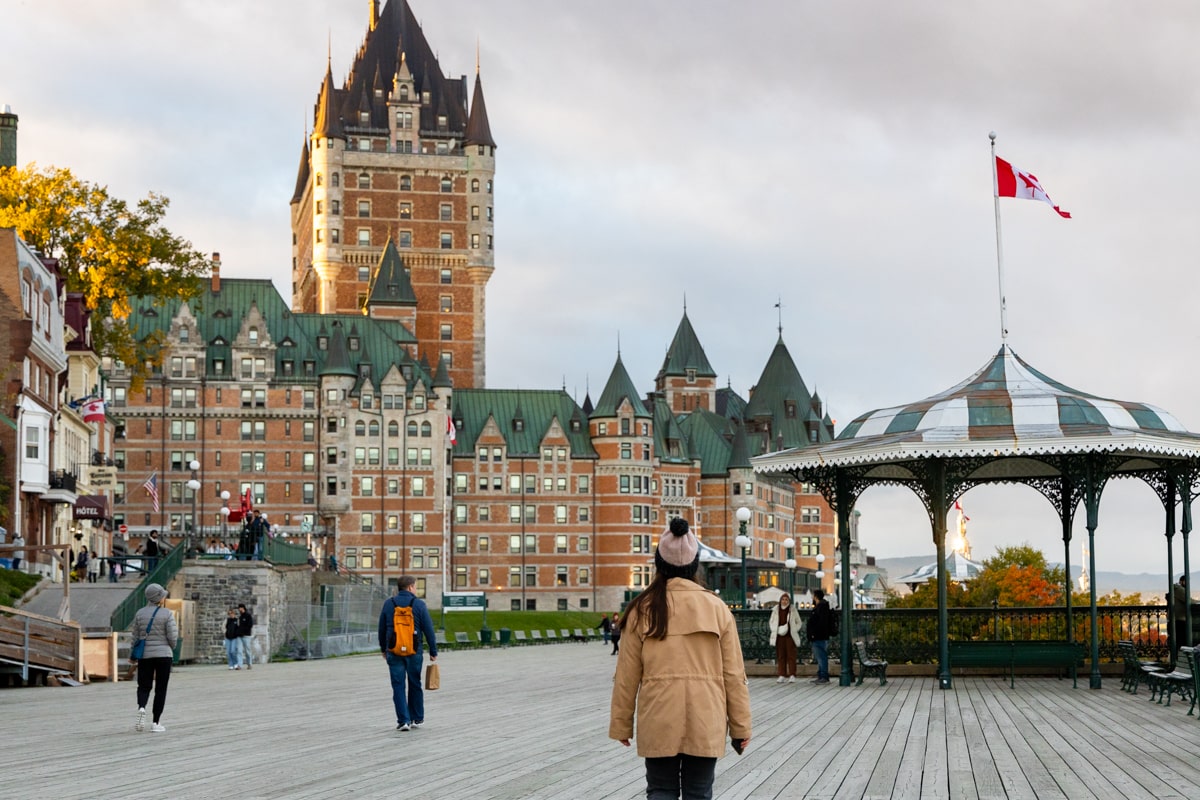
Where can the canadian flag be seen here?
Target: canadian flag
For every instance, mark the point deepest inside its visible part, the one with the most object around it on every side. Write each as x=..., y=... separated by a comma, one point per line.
x=959, y=509
x=451, y=431
x=1012, y=182
x=93, y=410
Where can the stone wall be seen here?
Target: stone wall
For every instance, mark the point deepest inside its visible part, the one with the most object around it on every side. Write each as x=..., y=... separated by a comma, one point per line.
x=268, y=592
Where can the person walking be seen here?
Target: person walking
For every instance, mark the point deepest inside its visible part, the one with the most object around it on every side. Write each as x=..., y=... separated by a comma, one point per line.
x=605, y=627
x=155, y=624
x=18, y=553
x=246, y=635
x=405, y=671
x=152, y=550
x=785, y=636
x=820, y=628
x=616, y=633
x=682, y=672
x=233, y=645
x=1179, y=604
x=81, y=565
x=93, y=567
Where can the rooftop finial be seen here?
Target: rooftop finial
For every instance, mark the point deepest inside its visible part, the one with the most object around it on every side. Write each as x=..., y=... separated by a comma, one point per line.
x=476, y=55
x=779, y=308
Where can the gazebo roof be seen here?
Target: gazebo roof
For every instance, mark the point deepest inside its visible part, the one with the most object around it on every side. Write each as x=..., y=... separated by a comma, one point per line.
x=1006, y=409
x=958, y=568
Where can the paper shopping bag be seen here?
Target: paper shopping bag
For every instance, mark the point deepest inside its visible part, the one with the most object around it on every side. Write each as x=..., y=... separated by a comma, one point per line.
x=433, y=677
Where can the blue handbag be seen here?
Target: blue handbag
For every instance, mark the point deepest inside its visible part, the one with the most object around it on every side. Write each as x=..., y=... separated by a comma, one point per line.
x=139, y=647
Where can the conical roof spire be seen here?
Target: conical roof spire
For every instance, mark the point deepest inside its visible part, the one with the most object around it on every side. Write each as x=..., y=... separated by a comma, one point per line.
x=478, y=129
x=619, y=388
x=302, y=173
x=328, y=124
x=686, y=353
x=391, y=284
x=338, y=360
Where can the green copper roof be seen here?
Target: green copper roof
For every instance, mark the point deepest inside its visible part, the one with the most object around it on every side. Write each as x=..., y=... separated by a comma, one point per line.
x=371, y=345
x=685, y=353
x=534, y=408
x=739, y=457
x=781, y=397
x=709, y=437
x=391, y=284
x=338, y=362
x=618, y=389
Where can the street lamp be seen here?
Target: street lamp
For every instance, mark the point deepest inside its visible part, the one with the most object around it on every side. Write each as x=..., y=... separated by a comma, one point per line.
x=820, y=569
x=194, y=485
x=224, y=517
x=789, y=545
x=743, y=541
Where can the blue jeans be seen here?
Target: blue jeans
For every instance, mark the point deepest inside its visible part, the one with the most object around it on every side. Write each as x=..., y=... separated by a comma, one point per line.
x=233, y=648
x=247, y=648
x=681, y=776
x=820, y=648
x=406, y=674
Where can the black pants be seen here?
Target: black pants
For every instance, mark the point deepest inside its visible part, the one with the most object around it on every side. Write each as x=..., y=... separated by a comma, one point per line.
x=681, y=776
x=154, y=672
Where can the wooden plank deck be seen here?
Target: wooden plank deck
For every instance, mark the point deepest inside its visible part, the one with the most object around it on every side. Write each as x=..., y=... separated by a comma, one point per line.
x=531, y=722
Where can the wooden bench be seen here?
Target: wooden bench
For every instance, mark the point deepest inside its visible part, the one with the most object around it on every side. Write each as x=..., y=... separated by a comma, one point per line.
x=520, y=638
x=1012, y=654
x=869, y=666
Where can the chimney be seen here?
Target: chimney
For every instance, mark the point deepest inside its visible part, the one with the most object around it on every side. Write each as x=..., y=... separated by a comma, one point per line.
x=216, y=272
x=8, y=137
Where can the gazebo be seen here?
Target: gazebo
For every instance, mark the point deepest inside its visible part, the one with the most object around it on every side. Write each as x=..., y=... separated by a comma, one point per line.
x=1007, y=423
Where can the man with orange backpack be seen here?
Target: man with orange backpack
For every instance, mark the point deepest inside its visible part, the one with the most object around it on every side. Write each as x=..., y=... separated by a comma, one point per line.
x=402, y=622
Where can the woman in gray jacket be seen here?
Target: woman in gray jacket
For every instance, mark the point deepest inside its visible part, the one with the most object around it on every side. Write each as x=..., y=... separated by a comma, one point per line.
x=155, y=624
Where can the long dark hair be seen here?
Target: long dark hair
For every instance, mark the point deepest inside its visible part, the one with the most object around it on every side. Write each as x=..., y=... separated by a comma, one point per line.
x=652, y=603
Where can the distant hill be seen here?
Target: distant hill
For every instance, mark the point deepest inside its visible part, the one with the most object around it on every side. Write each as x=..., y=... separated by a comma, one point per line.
x=1151, y=586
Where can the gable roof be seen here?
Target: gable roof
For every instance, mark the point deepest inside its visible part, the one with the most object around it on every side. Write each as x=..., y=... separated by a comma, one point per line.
x=536, y=408
x=618, y=388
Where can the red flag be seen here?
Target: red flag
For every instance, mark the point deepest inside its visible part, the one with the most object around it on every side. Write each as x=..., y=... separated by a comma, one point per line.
x=93, y=410
x=451, y=431
x=1012, y=182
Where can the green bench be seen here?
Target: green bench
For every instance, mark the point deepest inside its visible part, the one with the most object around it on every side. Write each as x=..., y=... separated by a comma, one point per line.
x=1013, y=654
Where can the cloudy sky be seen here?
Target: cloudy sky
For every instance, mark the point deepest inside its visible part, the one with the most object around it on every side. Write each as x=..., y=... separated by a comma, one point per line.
x=832, y=155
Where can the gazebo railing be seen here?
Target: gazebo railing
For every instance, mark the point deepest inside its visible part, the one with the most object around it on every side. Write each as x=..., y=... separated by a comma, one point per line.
x=909, y=635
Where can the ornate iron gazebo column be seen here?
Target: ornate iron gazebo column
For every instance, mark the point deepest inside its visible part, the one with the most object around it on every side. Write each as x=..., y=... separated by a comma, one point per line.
x=844, y=508
x=1092, y=486
x=938, y=508
x=1066, y=513
x=1186, y=496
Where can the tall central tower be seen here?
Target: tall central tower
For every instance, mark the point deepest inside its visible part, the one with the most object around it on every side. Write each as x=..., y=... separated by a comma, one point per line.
x=400, y=152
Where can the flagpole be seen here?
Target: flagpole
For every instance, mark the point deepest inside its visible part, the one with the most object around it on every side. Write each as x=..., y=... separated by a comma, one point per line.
x=999, y=245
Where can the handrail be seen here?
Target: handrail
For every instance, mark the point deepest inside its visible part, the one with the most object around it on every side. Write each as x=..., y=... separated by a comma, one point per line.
x=278, y=551
x=163, y=572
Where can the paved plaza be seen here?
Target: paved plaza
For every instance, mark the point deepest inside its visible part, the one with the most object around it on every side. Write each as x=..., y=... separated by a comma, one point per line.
x=531, y=722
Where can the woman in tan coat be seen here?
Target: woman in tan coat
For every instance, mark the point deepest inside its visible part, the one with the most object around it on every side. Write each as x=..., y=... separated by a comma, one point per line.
x=785, y=636
x=681, y=668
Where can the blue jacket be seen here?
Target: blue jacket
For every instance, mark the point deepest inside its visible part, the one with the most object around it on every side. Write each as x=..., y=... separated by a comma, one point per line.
x=422, y=622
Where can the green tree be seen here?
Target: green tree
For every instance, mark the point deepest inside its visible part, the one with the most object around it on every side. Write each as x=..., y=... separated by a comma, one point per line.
x=108, y=250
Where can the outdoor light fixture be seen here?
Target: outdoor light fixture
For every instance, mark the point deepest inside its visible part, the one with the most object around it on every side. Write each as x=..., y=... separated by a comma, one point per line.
x=789, y=545
x=743, y=541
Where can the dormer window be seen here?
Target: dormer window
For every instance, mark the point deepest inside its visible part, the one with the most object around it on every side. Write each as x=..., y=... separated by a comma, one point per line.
x=353, y=342
x=322, y=342
x=575, y=427
x=518, y=425
x=364, y=118
x=691, y=376
x=441, y=122
x=404, y=93
x=183, y=334
x=253, y=334
x=790, y=410
x=425, y=98
x=364, y=370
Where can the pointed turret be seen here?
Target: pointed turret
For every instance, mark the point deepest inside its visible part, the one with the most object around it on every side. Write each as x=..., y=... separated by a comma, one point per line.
x=478, y=129
x=441, y=380
x=337, y=362
x=302, y=174
x=619, y=389
x=328, y=122
x=739, y=455
x=781, y=405
x=687, y=380
x=390, y=283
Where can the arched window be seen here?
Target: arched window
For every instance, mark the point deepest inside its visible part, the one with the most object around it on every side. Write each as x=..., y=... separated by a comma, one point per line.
x=474, y=184
x=373, y=428
x=426, y=430
x=360, y=428
x=320, y=179
x=412, y=428
x=404, y=93
x=406, y=183
x=447, y=185
x=336, y=179
x=393, y=428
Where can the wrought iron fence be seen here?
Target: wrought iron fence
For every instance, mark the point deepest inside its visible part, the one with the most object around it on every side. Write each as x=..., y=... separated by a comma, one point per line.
x=909, y=635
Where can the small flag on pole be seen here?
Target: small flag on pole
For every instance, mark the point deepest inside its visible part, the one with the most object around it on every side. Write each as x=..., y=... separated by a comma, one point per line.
x=93, y=410
x=151, y=487
x=1012, y=182
x=451, y=431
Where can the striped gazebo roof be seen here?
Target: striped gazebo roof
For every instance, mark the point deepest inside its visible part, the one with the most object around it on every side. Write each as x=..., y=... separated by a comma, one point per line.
x=1006, y=408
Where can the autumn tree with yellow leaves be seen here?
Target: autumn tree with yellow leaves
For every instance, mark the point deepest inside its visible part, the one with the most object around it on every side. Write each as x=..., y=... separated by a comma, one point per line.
x=107, y=249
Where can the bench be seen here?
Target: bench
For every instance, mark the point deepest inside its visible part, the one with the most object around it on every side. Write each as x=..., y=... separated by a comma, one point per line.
x=1137, y=671
x=551, y=635
x=1180, y=681
x=579, y=636
x=868, y=666
x=461, y=639
x=536, y=636
x=440, y=638
x=520, y=638
x=1013, y=654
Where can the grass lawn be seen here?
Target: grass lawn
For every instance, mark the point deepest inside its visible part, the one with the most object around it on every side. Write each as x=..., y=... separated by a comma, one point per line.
x=471, y=621
x=14, y=585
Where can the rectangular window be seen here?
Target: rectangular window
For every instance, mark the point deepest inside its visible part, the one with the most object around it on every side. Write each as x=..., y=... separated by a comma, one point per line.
x=560, y=543
x=584, y=484
x=460, y=543
x=560, y=577
x=364, y=237
x=418, y=522
x=810, y=514
x=447, y=240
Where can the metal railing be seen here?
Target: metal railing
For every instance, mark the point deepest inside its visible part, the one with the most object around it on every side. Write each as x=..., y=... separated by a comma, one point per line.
x=164, y=570
x=909, y=635
x=278, y=551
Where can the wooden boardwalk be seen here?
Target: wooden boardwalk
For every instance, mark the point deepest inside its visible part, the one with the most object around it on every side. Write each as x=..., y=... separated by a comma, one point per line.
x=531, y=722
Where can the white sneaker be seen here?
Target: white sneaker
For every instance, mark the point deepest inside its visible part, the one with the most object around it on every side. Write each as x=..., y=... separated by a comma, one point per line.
x=156, y=728
x=792, y=679
x=403, y=728
x=416, y=725
x=780, y=679
x=140, y=725
x=233, y=668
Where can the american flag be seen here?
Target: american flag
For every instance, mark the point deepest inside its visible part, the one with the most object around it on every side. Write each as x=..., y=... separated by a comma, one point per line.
x=151, y=487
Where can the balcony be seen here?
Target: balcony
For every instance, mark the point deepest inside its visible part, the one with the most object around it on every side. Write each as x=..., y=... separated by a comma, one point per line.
x=63, y=488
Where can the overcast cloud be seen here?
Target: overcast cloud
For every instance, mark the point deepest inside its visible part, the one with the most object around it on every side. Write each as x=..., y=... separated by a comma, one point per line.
x=834, y=155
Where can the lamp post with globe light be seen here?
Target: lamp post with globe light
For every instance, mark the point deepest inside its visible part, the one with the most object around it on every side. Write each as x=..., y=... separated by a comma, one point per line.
x=820, y=574
x=194, y=486
x=225, y=517
x=743, y=541
x=789, y=545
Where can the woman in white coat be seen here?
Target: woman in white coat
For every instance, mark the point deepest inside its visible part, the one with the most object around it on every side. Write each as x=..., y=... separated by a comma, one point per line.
x=785, y=635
